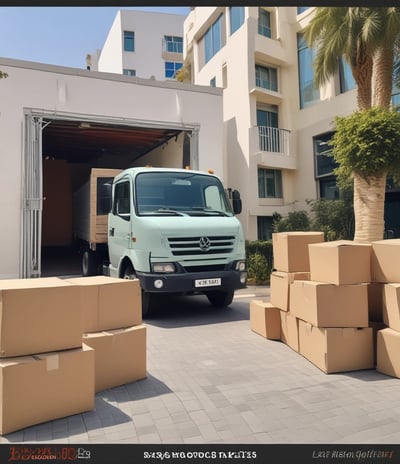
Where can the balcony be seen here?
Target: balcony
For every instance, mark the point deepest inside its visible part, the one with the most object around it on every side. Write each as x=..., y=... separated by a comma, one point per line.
x=172, y=50
x=270, y=50
x=274, y=147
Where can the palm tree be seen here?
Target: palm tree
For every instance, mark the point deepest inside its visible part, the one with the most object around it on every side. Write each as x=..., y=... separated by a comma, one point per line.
x=336, y=32
x=382, y=27
x=367, y=38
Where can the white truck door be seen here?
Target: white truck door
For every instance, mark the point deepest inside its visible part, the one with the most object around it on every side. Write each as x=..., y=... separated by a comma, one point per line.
x=119, y=222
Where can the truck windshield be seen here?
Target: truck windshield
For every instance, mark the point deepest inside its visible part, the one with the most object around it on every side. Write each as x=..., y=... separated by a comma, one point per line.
x=180, y=194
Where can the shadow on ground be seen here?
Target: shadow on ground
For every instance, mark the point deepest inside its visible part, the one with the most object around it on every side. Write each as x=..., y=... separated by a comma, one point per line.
x=106, y=413
x=171, y=311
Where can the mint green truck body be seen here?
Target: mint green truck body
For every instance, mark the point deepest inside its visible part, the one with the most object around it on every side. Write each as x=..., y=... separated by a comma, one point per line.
x=176, y=231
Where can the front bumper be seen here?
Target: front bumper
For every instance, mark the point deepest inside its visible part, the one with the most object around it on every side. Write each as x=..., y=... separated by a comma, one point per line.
x=185, y=282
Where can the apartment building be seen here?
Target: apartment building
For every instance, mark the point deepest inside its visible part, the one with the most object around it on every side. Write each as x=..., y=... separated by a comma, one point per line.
x=277, y=124
x=143, y=44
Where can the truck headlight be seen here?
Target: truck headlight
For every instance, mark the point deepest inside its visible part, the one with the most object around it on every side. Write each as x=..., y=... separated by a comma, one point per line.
x=165, y=268
x=241, y=266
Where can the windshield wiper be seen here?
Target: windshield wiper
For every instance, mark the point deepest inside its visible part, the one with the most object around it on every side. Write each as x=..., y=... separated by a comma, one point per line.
x=215, y=212
x=172, y=212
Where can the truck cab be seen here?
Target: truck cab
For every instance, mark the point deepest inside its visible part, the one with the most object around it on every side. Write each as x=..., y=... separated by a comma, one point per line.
x=176, y=231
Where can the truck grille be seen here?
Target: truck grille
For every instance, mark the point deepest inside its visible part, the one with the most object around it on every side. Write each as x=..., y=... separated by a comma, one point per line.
x=190, y=246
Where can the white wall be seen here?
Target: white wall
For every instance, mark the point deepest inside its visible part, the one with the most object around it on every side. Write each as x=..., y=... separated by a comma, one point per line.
x=110, y=57
x=150, y=29
x=57, y=90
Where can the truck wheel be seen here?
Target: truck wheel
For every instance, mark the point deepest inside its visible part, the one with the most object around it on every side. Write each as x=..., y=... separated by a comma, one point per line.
x=89, y=263
x=220, y=298
x=129, y=273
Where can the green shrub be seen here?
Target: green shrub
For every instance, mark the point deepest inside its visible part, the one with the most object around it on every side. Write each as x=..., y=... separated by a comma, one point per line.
x=367, y=143
x=334, y=217
x=259, y=261
x=295, y=221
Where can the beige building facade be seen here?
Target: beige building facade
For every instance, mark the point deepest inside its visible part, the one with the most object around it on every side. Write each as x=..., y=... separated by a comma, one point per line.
x=276, y=122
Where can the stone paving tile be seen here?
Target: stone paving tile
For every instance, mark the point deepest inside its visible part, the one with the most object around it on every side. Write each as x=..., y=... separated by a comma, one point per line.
x=212, y=380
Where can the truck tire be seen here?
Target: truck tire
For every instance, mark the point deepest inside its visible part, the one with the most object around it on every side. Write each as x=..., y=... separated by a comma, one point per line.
x=220, y=298
x=89, y=263
x=129, y=273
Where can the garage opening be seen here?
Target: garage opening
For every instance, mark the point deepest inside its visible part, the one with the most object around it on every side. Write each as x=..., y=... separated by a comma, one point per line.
x=69, y=148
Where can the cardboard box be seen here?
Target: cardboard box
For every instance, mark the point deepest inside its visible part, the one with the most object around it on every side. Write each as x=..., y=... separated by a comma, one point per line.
x=36, y=389
x=376, y=327
x=38, y=315
x=341, y=262
x=385, y=257
x=108, y=303
x=329, y=305
x=280, y=285
x=290, y=330
x=388, y=352
x=337, y=349
x=290, y=250
x=265, y=319
x=391, y=306
x=375, y=301
x=120, y=356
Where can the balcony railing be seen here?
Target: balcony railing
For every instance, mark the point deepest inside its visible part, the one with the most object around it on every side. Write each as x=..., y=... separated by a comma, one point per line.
x=274, y=140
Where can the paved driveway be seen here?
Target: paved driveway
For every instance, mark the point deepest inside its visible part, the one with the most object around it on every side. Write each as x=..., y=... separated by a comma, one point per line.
x=212, y=380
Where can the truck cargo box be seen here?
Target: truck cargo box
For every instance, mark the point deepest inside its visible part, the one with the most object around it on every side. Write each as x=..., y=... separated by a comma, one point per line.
x=90, y=206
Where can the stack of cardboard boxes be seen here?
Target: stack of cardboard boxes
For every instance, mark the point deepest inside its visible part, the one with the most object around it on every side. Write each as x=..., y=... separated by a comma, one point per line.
x=45, y=370
x=291, y=262
x=62, y=340
x=321, y=290
x=112, y=326
x=273, y=320
x=332, y=307
x=386, y=273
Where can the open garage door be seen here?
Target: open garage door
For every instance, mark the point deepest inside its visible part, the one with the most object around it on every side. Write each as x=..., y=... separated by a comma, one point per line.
x=32, y=198
x=60, y=151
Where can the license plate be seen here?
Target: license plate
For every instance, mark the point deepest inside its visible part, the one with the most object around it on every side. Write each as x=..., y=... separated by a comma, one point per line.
x=207, y=282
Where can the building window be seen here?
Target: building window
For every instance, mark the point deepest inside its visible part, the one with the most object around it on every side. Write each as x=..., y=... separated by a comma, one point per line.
x=173, y=44
x=302, y=9
x=347, y=81
x=396, y=84
x=213, y=39
x=266, y=78
x=324, y=162
x=129, y=72
x=270, y=137
x=269, y=183
x=213, y=82
x=264, y=23
x=328, y=188
x=236, y=14
x=396, y=100
x=308, y=92
x=170, y=69
x=129, y=41
x=264, y=227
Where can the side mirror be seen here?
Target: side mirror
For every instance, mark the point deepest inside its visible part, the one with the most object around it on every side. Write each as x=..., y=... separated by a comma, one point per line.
x=236, y=202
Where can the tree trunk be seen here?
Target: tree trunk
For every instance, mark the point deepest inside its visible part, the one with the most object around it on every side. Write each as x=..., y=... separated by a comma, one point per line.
x=383, y=70
x=362, y=73
x=369, y=203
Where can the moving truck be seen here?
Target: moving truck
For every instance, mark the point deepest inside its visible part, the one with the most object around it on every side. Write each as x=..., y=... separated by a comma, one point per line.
x=173, y=229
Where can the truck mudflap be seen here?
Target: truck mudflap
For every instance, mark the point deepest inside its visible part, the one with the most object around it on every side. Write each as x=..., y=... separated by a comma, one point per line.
x=191, y=282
